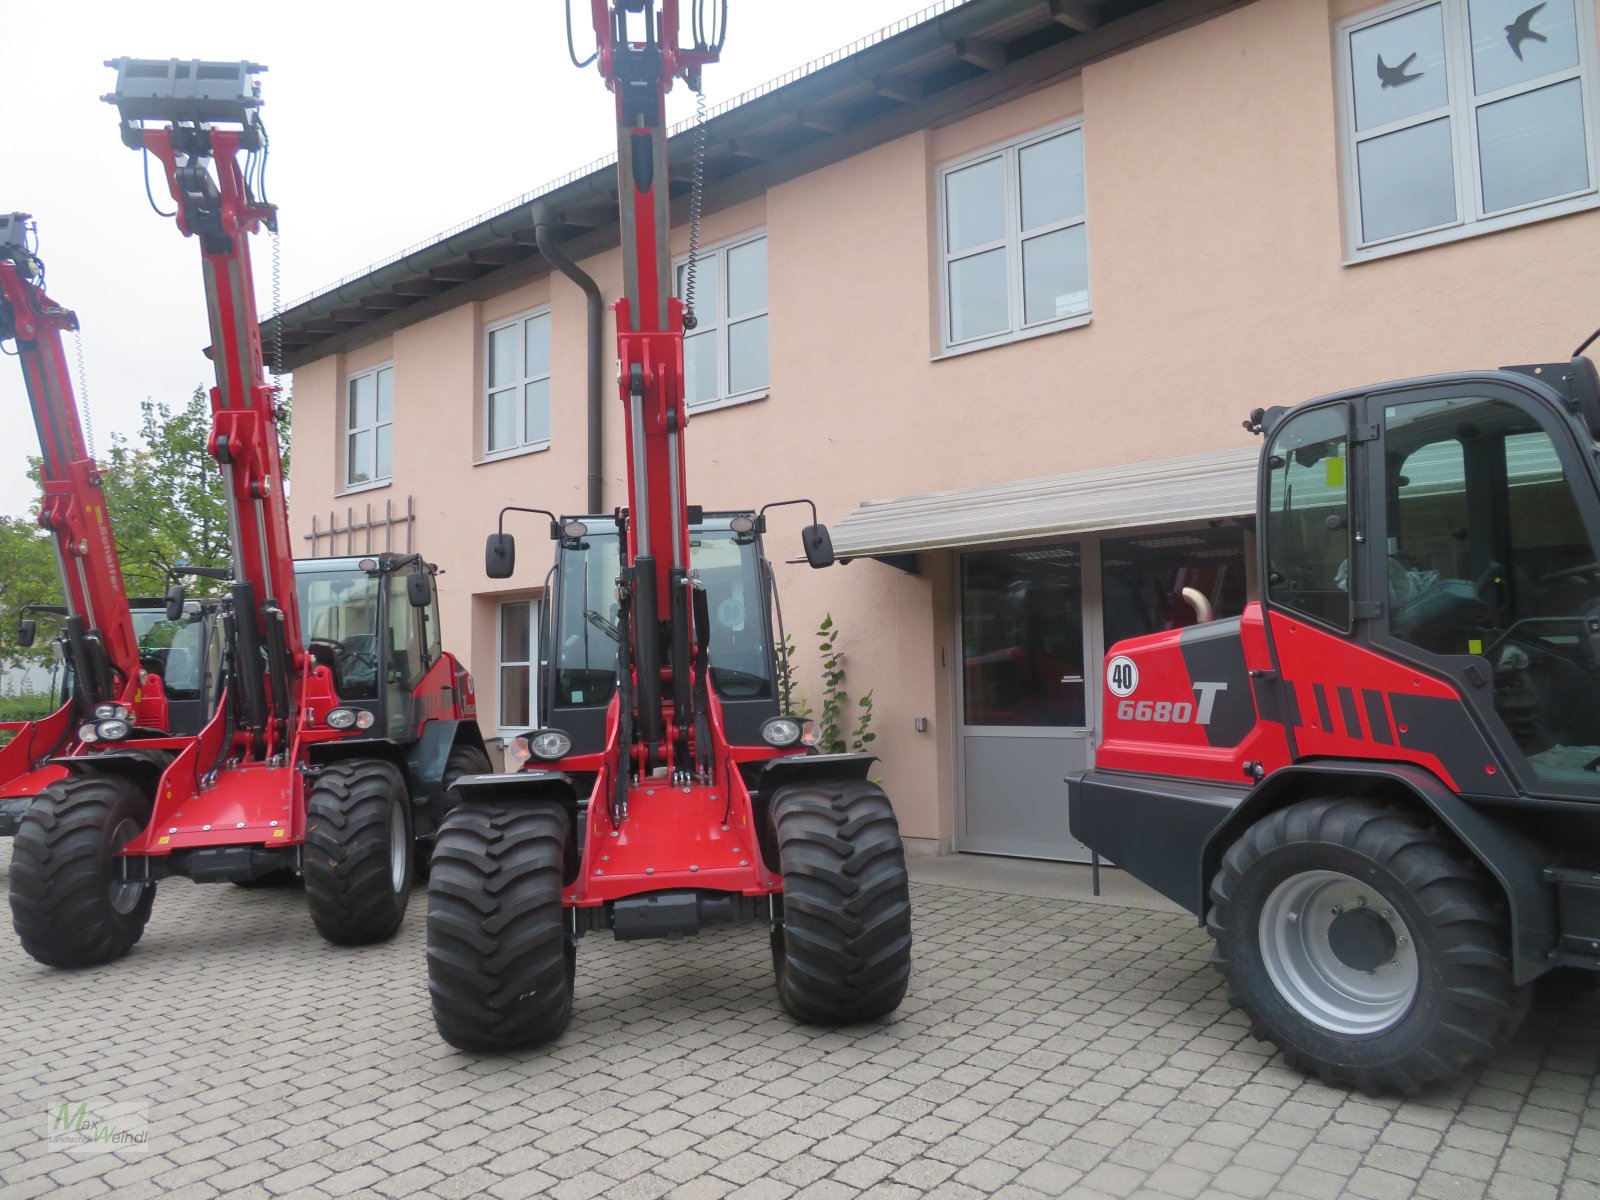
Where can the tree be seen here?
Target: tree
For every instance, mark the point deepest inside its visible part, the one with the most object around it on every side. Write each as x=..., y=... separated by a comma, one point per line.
x=28, y=575
x=165, y=497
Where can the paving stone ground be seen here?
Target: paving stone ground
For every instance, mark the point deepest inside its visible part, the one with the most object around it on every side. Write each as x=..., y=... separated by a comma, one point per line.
x=1048, y=1047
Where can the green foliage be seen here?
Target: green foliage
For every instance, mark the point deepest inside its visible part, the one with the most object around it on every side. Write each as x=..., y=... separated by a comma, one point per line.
x=28, y=708
x=838, y=736
x=165, y=497
x=790, y=698
x=28, y=575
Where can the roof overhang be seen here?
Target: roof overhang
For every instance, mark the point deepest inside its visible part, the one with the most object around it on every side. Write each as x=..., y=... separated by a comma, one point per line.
x=1194, y=487
x=924, y=72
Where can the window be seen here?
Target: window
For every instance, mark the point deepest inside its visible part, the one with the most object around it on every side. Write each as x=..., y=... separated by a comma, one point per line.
x=369, y=427
x=517, y=366
x=1465, y=115
x=1308, y=521
x=1015, y=244
x=725, y=357
x=1489, y=558
x=519, y=657
x=1022, y=637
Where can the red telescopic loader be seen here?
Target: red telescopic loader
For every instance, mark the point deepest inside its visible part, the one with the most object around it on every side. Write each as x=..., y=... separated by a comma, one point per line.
x=110, y=675
x=673, y=803
x=1379, y=787
x=339, y=717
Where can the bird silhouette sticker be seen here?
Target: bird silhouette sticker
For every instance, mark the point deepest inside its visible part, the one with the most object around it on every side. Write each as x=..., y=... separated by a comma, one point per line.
x=1521, y=30
x=1394, y=76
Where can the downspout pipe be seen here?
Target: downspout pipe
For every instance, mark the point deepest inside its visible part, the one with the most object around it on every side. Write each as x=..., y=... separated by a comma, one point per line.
x=544, y=236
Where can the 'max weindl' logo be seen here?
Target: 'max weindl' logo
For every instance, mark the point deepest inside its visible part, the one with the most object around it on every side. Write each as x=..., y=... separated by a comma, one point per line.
x=98, y=1126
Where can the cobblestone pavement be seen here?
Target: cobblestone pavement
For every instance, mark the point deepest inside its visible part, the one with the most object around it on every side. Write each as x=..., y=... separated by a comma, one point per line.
x=1048, y=1047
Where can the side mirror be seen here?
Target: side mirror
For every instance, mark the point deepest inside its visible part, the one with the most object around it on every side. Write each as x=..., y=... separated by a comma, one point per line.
x=27, y=630
x=175, y=602
x=500, y=556
x=418, y=590
x=818, y=545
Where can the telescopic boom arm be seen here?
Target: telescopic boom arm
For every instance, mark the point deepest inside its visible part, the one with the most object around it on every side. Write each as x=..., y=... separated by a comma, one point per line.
x=639, y=56
x=99, y=628
x=197, y=118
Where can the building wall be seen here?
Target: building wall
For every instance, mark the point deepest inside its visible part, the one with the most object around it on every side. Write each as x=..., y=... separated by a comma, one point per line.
x=1219, y=284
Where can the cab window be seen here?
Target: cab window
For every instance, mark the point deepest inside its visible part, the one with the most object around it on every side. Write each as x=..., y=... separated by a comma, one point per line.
x=1488, y=557
x=1308, y=516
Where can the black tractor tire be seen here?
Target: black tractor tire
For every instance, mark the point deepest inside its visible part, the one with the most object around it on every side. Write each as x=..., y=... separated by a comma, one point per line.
x=843, y=952
x=501, y=963
x=465, y=759
x=358, y=854
x=1407, y=892
x=65, y=904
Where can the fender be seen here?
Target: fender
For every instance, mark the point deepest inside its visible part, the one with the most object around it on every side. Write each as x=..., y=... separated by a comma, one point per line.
x=517, y=788
x=524, y=787
x=426, y=758
x=144, y=767
x=1515, y=860
x=805, y=768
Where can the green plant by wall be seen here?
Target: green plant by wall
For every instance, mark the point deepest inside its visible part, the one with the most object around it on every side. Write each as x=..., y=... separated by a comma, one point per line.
x=846, y=727
x=790, y=697
x=839, y=735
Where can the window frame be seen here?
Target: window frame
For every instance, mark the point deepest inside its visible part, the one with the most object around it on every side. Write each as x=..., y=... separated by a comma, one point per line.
x=520, y=386
x=349, y=431
x=1462, y=105
x=1018, y=329
x=724, y=321
x=535, y=605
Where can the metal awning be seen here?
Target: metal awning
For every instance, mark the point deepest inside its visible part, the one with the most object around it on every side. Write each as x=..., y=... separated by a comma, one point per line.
x=1194, y=487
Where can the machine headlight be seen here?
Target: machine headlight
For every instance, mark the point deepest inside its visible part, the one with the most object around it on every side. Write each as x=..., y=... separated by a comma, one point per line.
x=781, y=731
x=341, y=718
x=113, y=730
x=88, y=733
x=112, y=712
x=549, y=744
x=811, y=735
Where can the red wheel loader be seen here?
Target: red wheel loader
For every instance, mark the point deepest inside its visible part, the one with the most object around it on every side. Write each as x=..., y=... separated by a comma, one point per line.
x=1379, y=788
x=339, y=716
x=678, y=796
x=112, y=672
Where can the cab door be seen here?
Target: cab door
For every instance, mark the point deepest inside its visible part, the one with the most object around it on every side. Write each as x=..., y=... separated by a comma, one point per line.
x=404, y=657
x=1482, y=568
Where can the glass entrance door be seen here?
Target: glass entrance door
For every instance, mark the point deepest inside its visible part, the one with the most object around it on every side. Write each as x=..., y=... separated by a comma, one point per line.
x=1024, y=698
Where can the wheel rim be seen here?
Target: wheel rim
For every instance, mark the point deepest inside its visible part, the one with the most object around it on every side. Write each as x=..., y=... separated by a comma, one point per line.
x=399, y=849
x=1338, y=953
x=124, y=896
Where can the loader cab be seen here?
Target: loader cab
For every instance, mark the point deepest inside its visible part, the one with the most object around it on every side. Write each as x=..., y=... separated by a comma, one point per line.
x=365, y=619
x=1450, y=525
x=580, y=640
x=186, y=654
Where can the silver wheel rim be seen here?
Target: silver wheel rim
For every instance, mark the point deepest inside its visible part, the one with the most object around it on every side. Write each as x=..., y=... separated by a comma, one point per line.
x=1308, y=969
x=124, y=896
x=399, y=850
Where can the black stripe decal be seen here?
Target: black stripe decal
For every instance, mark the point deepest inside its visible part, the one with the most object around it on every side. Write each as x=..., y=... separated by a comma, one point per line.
x=1352, y=718
x=1322, y=708
x=1377, y=718
x=1293, y=703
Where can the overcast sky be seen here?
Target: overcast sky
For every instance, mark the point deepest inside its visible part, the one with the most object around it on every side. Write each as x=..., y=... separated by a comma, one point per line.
x=389, y=123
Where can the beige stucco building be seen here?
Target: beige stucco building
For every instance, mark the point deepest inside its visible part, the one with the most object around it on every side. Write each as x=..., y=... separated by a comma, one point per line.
x=995, y=290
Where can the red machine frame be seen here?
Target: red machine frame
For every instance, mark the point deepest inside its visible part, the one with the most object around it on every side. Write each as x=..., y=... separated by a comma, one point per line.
x=705, y=838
